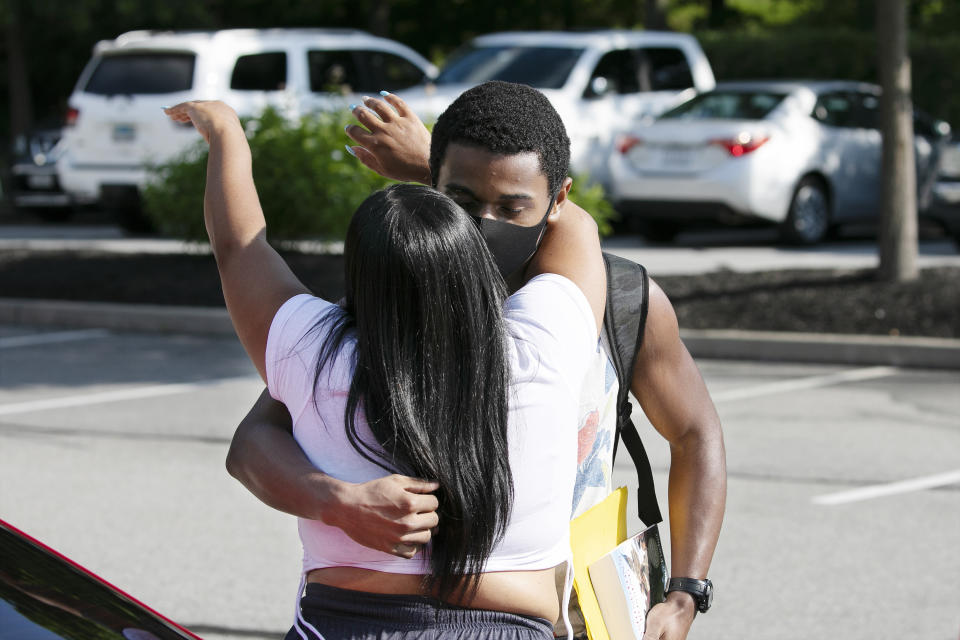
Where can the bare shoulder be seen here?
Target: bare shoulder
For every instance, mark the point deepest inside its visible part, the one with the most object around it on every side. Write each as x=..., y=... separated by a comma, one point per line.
x=661, y=334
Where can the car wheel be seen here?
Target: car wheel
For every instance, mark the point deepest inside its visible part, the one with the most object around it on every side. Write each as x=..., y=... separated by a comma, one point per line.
x=126, y=207
x=54, y=214
x=808, y=220
x=660, y=230
x=622, y=223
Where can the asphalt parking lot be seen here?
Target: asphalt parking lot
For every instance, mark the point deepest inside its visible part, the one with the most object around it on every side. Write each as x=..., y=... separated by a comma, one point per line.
x=843, y=513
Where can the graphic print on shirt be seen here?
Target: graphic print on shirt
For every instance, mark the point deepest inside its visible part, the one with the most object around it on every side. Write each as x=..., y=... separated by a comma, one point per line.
x=597, y=427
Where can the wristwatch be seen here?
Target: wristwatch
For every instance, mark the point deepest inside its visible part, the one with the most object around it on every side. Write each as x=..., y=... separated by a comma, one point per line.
x=701, y=590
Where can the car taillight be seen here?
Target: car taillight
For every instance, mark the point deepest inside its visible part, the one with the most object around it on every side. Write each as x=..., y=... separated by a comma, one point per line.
x=741, y=145
x=625, y=143
x=72, y=115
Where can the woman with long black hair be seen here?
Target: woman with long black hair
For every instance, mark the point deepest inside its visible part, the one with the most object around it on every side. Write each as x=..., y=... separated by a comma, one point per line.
x=428, y=369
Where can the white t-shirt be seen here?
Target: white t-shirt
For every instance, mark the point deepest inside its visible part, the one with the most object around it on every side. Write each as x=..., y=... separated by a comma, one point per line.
x=552, y=339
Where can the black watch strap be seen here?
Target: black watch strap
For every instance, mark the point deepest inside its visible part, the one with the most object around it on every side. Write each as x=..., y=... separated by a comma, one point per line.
x=701, y=590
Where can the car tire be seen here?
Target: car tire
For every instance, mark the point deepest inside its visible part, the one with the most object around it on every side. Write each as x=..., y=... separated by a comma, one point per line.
x=808, y=219
x=660, y=230
x=133, y=220
x=52, y=214
x=125, y=206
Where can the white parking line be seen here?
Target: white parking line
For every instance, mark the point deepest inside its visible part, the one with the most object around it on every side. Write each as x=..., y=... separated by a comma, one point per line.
x=893, y=488
x=49, y=338
x=812, y=382
x=135, y=393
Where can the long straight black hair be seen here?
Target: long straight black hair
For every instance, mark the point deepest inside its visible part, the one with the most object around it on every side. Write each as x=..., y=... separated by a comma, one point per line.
x=424, y=300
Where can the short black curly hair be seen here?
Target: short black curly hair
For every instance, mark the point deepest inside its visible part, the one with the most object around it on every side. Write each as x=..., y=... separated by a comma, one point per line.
x=504, y=118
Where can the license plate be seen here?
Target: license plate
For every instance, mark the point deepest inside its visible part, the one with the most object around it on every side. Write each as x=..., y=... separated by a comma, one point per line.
x=676, y=157
x=40, y=182
x=124, y=132
x=639, y=158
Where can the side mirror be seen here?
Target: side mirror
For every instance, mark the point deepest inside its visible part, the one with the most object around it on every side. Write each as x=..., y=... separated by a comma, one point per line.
x=598, y=88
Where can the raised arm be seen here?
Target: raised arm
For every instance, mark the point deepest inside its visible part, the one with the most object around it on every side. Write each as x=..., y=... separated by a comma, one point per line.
x=669, y=388
x=571, y=248
x=255, y=279
x=392, y=514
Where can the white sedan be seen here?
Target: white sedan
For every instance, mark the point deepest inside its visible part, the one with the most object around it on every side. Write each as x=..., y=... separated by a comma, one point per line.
x=803, y=155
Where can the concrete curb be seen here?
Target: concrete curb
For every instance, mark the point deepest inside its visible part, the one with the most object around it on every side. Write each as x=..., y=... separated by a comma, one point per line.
x=928, y=353
x=116, y=317
x=935, y=353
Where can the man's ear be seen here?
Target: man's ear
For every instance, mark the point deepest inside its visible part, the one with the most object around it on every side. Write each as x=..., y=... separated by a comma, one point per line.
x=562, y=197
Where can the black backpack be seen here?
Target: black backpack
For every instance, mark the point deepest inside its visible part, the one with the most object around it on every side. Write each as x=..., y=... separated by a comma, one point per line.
x=623, y=323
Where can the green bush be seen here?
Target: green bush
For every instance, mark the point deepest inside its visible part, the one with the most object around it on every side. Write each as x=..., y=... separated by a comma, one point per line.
x=308, y=185
x=589, y=195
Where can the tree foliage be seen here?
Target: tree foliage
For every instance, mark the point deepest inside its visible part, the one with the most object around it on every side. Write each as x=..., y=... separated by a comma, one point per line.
x=57, y=35
x=308, y=185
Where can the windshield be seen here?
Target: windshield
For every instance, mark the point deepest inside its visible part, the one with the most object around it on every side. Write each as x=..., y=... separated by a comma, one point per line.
x=140, y=73
x=726, y=105
x=540, y=67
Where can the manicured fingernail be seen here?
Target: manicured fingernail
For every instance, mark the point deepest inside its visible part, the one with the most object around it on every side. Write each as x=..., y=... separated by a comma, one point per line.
x=345, y=128
x=384, y=93
x=350, y=150
x=352, y=107
x=365, y=98
x=165, y=108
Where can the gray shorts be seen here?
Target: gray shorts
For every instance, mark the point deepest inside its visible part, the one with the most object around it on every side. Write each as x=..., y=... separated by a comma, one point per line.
x=340, y=614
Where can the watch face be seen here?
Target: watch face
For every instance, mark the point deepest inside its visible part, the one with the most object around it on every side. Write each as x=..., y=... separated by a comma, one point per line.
x=707, y=600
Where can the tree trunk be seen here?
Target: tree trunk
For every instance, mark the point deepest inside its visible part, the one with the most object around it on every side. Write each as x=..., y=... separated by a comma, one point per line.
x=21, y=105
x=654, y=18
x=379, y=18
x=898, y=195
x=717, y=16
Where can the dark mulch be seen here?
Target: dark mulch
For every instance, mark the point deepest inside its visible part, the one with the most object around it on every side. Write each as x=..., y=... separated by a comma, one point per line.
x=828, y=301
x=807, y=300
x=142, y=278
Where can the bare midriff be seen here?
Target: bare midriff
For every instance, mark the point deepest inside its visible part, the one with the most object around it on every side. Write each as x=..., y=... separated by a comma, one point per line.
x=528, y=593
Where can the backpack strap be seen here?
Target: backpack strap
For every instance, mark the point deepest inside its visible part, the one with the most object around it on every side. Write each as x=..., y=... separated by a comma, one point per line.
x=624, y=321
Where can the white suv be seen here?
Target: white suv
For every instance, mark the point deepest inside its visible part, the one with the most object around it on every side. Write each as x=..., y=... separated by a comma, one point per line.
x=115, y=126
x=599, y=81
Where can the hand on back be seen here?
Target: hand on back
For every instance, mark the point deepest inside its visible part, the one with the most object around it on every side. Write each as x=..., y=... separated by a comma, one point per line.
x=394, y=514
x=395, y=143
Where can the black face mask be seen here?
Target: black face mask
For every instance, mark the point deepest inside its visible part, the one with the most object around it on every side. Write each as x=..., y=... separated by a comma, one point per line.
x=512, y=246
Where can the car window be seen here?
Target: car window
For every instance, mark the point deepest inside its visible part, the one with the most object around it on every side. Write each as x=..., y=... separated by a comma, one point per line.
x=621, y=70
x=142, y=73
x=389, y=72
x=644, y=69
x=727, y=105
x=866, y=112
x=539, y=67
x=667, y=68
x=43, y=597
x=929, y=127
x=260, y=72
x=334, y=72
x=835, y=109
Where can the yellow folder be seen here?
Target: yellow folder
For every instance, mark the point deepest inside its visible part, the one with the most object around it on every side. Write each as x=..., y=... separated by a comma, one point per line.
x=593, y=534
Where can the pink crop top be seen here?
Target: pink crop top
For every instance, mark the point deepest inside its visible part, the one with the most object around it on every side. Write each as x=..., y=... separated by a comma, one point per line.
x=553, y=336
